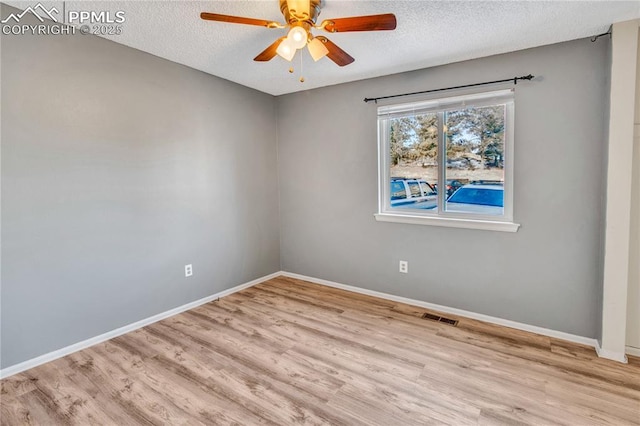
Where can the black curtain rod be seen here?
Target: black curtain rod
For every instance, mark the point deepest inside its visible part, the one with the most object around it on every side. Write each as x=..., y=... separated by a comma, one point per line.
x=595, y=38
x=514, y=79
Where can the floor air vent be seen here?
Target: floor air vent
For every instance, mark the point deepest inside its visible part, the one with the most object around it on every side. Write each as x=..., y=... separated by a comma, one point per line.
x=438, y=318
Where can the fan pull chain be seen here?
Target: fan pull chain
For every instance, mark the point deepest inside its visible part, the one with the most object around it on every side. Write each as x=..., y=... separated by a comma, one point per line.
x=301, y=71
x=291, y=70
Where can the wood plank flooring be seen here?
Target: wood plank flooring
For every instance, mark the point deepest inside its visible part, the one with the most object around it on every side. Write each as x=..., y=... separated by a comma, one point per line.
x=291, y=352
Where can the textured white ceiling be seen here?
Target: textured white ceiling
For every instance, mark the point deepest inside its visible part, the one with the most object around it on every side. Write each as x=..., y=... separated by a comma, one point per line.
x=429, y=33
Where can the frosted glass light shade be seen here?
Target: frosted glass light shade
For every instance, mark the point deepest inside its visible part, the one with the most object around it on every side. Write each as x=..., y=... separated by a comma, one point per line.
x=297, y=37
x=317, y=49
x=286, y=50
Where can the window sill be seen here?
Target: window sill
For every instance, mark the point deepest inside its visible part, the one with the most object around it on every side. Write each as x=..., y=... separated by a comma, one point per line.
x=486, y=225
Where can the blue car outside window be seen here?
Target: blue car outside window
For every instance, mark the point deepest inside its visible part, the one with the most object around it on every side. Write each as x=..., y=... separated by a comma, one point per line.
x=485, y=197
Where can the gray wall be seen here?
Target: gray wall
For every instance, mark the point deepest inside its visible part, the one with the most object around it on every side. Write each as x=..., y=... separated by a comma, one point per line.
x=118, y=168
x=547, y=274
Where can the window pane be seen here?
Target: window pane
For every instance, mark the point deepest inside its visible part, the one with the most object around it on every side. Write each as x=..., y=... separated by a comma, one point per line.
x=413, y=153
x=475, y=160
x=427, y=189
x=397, y=190
x=414, y=187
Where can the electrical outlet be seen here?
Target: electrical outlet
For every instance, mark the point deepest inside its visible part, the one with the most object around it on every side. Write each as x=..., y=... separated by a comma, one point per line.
x=188, y=270
x=404, y=266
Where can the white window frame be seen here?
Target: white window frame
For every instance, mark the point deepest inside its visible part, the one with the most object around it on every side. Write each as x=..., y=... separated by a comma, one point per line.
x=438, y=217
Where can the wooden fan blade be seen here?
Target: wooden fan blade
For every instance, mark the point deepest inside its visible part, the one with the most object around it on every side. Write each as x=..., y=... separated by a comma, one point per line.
x=336, y=54
x=239, y=20
x=360, y=23
x=270, y=52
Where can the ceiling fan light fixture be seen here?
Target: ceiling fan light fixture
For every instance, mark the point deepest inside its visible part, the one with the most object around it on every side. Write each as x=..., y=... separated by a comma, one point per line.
x=286, y=50
x=297, y=37
x=317, y=49
x=300, y=18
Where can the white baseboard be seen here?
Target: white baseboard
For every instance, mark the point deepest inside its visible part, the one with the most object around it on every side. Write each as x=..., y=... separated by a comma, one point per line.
x=633, y=351
x=42, y=359
x=612, y=355
x=445, y=309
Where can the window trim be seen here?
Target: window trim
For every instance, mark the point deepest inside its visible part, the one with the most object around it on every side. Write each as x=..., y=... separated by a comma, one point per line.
x=443, y=218
x=449, y=222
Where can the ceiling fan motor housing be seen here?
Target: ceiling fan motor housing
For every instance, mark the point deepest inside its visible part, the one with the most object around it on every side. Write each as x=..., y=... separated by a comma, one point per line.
x=306, y=11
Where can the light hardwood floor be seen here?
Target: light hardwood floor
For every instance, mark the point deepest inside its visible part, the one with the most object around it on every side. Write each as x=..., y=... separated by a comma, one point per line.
x=288, y=352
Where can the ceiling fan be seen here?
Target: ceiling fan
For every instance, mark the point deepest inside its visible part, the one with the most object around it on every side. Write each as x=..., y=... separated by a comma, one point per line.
x=300, y=17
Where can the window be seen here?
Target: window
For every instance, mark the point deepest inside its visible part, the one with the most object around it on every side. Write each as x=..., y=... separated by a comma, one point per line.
x=448, y=161
x=415, y=189
x=398, y=192
x=427, y=189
